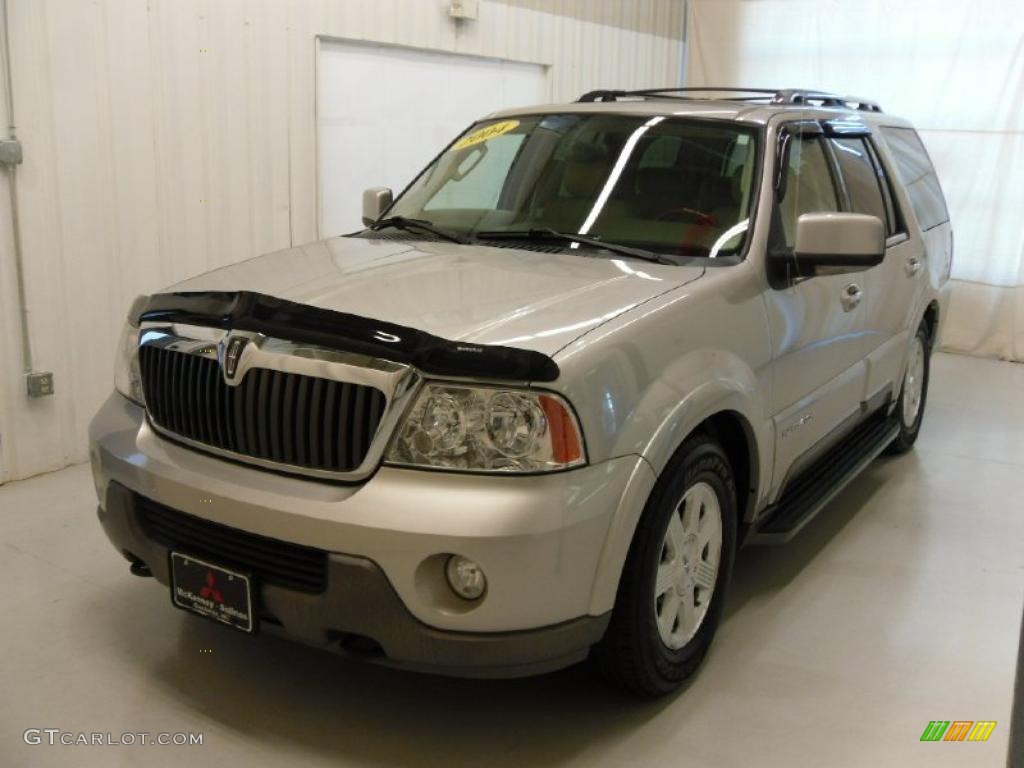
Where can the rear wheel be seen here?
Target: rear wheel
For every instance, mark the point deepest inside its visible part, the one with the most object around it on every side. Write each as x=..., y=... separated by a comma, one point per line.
x=673, y=584
x=913, y=393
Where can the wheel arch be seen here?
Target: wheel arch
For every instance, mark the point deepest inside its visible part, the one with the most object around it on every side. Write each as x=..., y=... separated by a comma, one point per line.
x=735, y=432
x=930, y=320
x=736, y=436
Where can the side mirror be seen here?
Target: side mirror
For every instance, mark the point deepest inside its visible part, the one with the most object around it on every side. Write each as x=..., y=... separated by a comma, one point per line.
x=839, y=240
x=376, y=200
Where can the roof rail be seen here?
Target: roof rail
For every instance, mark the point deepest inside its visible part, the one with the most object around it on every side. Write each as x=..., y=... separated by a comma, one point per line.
x=821, y=99
x=790, y=96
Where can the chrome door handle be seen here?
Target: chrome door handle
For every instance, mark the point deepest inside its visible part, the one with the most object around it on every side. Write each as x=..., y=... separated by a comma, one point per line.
x=914, y=265
x=851, y=297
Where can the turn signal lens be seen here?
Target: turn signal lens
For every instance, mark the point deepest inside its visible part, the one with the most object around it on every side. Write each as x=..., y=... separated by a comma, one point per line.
x=565, y=438
x=127, y=376
x=487, y=429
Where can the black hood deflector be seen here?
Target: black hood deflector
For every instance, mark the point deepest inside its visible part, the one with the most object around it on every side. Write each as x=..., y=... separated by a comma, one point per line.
x=260, y=313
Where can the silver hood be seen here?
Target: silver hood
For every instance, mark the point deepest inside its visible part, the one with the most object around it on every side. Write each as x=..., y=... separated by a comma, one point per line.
x=478, y=294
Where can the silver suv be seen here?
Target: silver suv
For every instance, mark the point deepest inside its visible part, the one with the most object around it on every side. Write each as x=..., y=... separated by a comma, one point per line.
x=532, y=411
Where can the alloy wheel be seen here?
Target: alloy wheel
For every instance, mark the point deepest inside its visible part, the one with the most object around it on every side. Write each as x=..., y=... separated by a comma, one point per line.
x=688, y=566
x=913, y=383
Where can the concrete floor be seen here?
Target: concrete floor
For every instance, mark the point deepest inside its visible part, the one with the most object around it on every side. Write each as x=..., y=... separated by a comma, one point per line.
x=899, y=605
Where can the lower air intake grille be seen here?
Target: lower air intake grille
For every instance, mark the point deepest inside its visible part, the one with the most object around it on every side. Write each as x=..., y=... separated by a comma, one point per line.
x=288, y=418
x=270, y=561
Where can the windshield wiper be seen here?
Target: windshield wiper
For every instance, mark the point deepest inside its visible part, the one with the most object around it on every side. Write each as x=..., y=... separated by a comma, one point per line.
x=403, y=222
x=546, y=233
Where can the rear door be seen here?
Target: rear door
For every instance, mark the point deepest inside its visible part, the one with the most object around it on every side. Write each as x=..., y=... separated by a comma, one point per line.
x=920, y=248
x=893, y=288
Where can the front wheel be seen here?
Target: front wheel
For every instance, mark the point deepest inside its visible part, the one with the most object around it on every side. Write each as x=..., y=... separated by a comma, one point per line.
x=913, y=393
x=673, y=585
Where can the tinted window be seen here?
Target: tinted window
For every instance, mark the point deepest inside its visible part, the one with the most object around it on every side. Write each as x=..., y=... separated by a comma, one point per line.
x=808, y=186
x=895, y=223
x=479, y=189
x=663, y=152
x=678, y=186
x=862, y=183
x=918, y=176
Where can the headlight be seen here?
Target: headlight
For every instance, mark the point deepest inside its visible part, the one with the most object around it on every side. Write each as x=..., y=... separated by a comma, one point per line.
x=484, y=429
x=127, y=377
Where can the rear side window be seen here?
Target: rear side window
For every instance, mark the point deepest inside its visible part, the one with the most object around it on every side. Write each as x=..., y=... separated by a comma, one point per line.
x=896, y=224
x=862, y=182
x=918, y=175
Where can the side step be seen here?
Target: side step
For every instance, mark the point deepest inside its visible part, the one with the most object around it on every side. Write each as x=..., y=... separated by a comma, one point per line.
x=807, y=494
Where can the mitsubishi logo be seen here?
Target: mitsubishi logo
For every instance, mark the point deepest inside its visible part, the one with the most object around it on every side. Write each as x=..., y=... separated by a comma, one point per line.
x=233, y=354
x=209, y=591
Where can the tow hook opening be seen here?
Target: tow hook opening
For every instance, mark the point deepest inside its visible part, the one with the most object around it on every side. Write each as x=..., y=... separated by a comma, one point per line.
x=137, y=566
x=357, y=645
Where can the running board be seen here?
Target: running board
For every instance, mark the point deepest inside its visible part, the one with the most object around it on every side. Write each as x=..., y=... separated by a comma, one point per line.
x=816, y=486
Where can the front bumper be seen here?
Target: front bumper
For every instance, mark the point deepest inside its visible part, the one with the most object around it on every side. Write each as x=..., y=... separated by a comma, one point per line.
x=546, y=544
x=359, y=615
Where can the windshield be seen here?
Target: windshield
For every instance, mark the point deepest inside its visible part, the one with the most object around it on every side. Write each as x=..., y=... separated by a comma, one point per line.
x=671, y=185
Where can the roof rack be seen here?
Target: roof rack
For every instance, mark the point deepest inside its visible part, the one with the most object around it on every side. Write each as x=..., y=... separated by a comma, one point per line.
x=820, y=99
x=783, y=96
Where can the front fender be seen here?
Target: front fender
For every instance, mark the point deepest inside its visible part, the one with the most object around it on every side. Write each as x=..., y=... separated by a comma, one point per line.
x=646, y=379
x=695, y=387
x=704, y=383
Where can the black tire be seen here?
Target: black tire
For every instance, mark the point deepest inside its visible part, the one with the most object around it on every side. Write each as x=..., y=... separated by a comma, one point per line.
x=632, y=654
x=907, y=436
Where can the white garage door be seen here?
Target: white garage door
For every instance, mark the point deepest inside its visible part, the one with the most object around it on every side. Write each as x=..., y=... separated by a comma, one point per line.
x=383, y=112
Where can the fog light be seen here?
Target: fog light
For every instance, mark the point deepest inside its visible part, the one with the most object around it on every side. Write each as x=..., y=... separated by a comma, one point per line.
x=465, y=577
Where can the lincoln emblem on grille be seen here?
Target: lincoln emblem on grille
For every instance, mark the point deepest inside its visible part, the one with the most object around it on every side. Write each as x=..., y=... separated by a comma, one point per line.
x=233, y=354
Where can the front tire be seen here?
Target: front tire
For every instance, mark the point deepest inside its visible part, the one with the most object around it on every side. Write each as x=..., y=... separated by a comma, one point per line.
x=673, y=584
x=913, y=393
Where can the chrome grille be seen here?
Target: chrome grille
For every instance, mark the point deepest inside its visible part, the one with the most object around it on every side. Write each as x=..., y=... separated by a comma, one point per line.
x=277, y=416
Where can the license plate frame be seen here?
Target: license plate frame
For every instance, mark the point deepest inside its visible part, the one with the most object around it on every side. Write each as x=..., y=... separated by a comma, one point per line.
x=213, y=591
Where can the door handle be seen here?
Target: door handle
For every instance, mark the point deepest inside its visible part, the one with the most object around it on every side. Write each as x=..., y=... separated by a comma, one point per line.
x=914, y=265
x=851, y=297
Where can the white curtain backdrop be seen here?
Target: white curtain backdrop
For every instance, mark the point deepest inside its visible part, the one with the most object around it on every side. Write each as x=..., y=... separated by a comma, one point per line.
x=956, y=69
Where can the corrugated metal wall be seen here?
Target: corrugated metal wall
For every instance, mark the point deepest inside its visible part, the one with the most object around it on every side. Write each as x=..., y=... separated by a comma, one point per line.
x=168, y=137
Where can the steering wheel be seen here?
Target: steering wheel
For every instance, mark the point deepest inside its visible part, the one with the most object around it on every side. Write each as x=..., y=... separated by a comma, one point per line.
x=697, y=217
